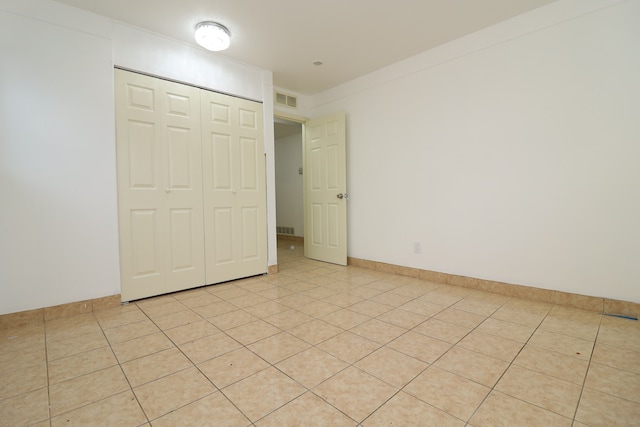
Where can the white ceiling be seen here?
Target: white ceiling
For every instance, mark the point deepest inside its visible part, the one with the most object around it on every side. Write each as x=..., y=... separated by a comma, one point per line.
x=351, y=37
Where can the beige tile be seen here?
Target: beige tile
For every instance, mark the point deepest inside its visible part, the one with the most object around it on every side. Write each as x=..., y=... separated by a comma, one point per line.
x=191, y=332
x=278, y=347
x=622, y=384
x=392, y=299
x=378, y=331
x=449, y=392
x=348, y=347
x=554, y=364
x=67, y=310
x=460, y=317
x=80, y=364
x=215, y=309
x=423, y=308
x=402, y=318
x=615, y=357
x=174, y=320
x=444, y=331
x=471, y=365
x=90, y=388
x=307, y=410
x=120, y=316
x=253, y=331
x=491, y=345
x=366, y=292
x=232, y=319
x=391, y=366
x=139, y=347
x=169, y=393
x=75, y=345
x=541, y=390
x=130, y=331
x=345, y=318
x=603, y=410
x=295, y=300
x=24, y=380
x=33, y=356
x=209, y=347
x=212, y=410
x=318, y=308
x=345, y=391
x=405, y=410
x=311, y=367
x=200, y=299
x=563, y=344
x=419, y=346
x=22, y=318
x=288, y=319
x=248, y=300
x=228, y=291
x=232, y=367
x=586, y=317
x=159, y=310
x=508, y=330
x=266, y=309
x=70, y=327
x=519, y=315
x=149, y=368
x=628, y=339
x=569, y=327
x=584, y=302
x=25, y=409
x=624, y=308
x=106, y=303
x=120, y=409
x=343, y=299
x=500, y=410
x=474, y=305
x=316, y=331
x=263, y=392
x=446, y=295
x=370, y=308
x=413, y=291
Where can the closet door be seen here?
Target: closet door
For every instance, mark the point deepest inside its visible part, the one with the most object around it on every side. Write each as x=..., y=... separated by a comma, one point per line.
x=159, y=185
x=234, y=188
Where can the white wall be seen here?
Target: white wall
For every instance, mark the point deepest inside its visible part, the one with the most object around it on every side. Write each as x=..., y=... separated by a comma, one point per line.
x=289, y=183
x=58, y=222
x=510, y=155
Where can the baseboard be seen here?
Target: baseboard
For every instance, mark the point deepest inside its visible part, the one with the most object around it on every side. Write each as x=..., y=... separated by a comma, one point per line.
x=585, y=302
x=40, y=315
x=288, y=237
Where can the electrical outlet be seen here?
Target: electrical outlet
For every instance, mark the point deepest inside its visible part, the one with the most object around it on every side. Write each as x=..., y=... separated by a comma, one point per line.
x=417, y=247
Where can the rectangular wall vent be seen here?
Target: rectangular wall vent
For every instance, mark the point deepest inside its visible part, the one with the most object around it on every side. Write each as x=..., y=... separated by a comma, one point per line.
x=285, y=230
x=286, y=100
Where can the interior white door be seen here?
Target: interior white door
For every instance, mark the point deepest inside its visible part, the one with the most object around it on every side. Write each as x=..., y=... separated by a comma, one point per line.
x=233, y=164
x=159, y=185
x=325, y=179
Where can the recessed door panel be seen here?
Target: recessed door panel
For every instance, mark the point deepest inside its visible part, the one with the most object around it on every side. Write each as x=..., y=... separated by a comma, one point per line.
x=178, y=105
x=180, y=165
x=142, y=154
x=247, y=119
x=315, y=169
x=181, y=226
x=333, y=174
x=250, y=249
x=317, y=234
x=220, y=113
x=333, y=233
x=248, y=164
x=144, y=229
x=219, y=161
x=223, y=235
x=139, y=97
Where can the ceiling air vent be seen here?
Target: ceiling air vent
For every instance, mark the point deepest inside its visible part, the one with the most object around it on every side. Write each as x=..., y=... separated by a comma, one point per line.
x=286, y=100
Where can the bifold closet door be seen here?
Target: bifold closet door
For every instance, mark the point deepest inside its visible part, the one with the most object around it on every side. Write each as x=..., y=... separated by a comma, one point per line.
x=159, y=185
x=233, y=165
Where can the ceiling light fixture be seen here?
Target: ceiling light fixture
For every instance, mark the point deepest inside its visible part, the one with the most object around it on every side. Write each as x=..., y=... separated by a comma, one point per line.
x=212, y=36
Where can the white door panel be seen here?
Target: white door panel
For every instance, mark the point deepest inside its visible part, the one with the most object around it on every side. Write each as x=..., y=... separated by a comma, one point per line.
x=234, y=188
x=325, y=180
x=159, y=189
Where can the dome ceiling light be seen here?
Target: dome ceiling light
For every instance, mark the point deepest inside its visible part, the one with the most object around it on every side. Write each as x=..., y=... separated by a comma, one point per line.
x=212, y=36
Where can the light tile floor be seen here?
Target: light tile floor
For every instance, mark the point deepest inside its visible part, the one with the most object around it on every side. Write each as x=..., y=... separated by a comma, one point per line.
x=324, y=345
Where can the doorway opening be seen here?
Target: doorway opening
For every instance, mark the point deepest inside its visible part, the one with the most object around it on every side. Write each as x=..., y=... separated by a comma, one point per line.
x=288, y=136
